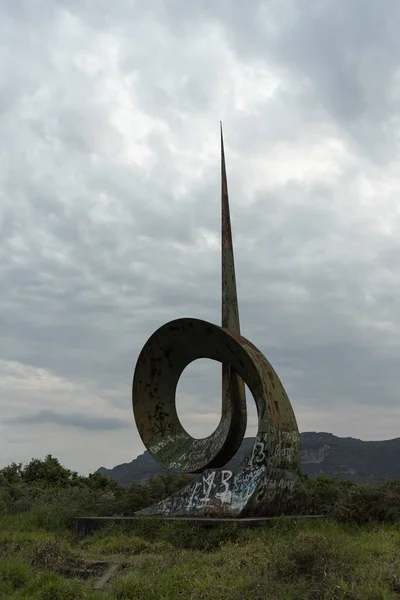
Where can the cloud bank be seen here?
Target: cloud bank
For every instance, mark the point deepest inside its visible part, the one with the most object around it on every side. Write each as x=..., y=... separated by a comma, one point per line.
x=109, y=210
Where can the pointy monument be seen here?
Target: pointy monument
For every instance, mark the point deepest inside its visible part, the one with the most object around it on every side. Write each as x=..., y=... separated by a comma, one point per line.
x=268, y=474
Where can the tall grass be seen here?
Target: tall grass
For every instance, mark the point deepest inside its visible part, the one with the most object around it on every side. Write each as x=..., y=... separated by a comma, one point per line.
x=304, y=560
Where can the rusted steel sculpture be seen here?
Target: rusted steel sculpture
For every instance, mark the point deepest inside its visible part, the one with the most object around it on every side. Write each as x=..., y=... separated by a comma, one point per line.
x=268, y=474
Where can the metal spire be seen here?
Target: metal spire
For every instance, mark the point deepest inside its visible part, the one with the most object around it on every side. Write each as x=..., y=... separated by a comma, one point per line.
x=233, y=390
x=230, y=309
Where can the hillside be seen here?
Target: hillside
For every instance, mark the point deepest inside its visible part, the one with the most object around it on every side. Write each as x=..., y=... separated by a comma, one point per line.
x=345, y=458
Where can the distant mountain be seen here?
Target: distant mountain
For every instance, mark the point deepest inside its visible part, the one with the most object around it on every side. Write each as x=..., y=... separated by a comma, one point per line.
x=345, y=458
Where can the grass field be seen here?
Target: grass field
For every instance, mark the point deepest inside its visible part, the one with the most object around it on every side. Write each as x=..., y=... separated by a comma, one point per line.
x=40, y=559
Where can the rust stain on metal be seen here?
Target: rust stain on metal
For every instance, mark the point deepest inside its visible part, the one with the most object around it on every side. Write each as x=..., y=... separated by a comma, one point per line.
x=268, y=473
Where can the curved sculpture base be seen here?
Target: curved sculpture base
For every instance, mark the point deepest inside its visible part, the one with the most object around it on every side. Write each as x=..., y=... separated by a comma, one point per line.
x=220, y=493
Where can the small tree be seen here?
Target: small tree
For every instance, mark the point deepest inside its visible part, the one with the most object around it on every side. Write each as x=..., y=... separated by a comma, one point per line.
x=11, y=473
x=48, y=471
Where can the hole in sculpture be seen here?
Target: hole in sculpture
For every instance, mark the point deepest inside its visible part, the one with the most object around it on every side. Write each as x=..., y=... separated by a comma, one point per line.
x=252, y=417
x=198, y=397
x=198, y=400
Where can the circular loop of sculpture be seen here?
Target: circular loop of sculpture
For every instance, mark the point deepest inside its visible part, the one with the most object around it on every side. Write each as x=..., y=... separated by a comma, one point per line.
x=266, y=475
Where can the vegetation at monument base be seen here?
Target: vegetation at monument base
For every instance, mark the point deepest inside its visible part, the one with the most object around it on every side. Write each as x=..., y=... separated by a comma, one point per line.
x=352, y=554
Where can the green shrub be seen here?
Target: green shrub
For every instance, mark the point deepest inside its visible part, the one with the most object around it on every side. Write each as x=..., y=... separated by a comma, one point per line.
x=363, y=503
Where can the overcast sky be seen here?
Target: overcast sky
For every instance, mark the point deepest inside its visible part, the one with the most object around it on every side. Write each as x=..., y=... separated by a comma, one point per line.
x=110, y=209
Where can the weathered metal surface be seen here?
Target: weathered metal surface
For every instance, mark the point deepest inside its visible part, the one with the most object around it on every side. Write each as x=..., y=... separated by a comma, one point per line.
x=270, y=469
x=268, y=474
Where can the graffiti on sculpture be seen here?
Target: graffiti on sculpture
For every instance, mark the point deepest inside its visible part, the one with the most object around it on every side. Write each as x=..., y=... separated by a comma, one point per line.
x=268, y=474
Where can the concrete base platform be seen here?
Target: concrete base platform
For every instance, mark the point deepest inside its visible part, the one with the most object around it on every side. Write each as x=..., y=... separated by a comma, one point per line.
x=87, y=525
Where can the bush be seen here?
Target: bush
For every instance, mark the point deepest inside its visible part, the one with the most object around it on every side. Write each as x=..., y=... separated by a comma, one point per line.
x=362, y=504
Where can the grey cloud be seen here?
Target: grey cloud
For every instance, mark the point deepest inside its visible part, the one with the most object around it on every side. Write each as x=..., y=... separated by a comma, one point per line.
x=75, y=420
